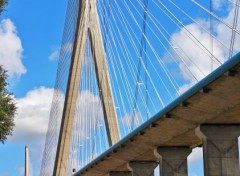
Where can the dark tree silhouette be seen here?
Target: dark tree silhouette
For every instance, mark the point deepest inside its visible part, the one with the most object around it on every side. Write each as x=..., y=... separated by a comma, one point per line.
x=7, y=108
x=2, y=4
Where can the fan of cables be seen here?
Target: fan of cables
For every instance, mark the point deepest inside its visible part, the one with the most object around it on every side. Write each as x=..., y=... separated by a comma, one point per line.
x=155, y=51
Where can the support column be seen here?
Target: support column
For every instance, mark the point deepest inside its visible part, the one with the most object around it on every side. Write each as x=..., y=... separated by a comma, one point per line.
x=173, y=160
x=88, y=23
x=220, y=149
x=142, y=168
x=103, y=80
x=120, y=173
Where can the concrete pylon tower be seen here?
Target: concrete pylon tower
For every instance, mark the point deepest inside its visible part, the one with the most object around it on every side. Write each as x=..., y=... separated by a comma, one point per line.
x=88, y=24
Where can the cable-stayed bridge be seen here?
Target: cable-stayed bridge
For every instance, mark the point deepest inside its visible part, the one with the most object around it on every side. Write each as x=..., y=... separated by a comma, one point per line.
x=140, y=83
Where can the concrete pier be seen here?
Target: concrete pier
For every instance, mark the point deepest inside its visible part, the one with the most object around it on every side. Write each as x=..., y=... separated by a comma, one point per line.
x=142, y=168
x=173, y=160
x=220, y=149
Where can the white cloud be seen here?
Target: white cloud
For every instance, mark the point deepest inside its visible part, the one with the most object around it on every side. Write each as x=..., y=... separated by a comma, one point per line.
x=88, y=116
x=128, y=123
x=56, y=52
x=194, y=58
x=224, y=34
x=219, y=4
x=33, y=113
x=194, y=174
x=31, y=122
x=11, y=50
x=156, y=171
x=197, y=63
x=54, y=55
x=185, y=87
x=21, y=170
x=197, y=153
x=67, y=47
x=89, y=112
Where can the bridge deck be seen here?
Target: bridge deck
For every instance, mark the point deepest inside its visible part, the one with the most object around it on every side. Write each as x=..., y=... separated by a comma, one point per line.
x=175, y=125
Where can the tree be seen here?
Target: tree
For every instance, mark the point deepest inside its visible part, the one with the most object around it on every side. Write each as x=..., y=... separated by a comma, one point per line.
x=2, y=4
x=7, y=108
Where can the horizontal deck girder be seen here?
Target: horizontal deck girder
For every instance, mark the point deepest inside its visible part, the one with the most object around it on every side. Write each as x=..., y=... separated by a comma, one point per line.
x=214, y=100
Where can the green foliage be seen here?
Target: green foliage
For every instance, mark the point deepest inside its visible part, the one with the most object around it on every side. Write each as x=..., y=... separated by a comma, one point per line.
x=7, y=108
x=2, y=4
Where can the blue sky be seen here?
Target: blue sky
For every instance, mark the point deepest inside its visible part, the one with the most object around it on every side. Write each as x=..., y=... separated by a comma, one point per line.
x=30, y=37
x=39, y=27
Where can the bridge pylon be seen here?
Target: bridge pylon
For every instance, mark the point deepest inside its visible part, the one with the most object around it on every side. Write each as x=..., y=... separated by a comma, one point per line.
x=88, y=24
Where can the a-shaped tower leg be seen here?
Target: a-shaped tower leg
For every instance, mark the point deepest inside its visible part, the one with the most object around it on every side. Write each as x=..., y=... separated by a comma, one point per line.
x=88, y=24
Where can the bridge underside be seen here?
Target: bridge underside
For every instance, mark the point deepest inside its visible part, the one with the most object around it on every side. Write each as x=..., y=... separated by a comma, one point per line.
x=217, y=101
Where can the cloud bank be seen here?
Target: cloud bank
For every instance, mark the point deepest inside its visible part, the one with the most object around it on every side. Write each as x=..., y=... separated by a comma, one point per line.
x=194, y=54
x=11, y=49
x=31, y=122
x=33, y=113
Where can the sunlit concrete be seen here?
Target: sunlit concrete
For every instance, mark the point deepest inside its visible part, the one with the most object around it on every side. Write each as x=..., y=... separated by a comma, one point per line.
x=173, y=160
x=142, y=168
x=220, y=149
